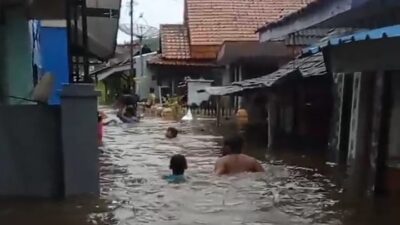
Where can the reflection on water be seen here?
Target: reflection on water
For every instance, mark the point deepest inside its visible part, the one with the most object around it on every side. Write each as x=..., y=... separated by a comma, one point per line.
x=132, y=191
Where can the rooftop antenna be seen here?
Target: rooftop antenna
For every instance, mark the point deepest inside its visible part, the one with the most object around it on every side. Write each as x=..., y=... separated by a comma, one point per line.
x=139, y=30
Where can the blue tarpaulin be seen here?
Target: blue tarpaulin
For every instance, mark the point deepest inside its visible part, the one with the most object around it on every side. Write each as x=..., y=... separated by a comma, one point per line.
x=384, y=32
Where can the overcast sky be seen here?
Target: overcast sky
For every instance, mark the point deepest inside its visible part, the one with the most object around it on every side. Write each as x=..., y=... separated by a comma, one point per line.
x=155, y=12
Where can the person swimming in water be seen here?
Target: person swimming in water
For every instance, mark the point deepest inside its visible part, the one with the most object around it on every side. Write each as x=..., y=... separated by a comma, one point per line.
x=129, y=116
x=178, y=165
x=171, y=133
x=234, y=161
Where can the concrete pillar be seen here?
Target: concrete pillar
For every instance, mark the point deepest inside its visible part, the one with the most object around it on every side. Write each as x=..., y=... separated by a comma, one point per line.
x=240, y=78
x=272, y=121
x=360, y=134
x=79, y=139
x=226, y=76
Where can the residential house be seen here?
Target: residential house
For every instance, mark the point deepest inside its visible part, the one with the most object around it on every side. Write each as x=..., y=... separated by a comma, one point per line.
x=364, y=67
x=176, y=61
x=222, y=33
x=290, y=107
x=114, y=76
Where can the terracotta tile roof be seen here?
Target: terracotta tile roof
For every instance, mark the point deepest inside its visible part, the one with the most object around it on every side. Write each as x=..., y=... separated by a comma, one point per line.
x=310, y=5
x=175, y=41
x=161, y=61
x=211, y=22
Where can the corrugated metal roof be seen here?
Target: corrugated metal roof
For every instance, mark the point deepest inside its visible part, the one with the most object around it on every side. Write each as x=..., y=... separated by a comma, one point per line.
x=308, y=36
x=222, y=90
x=313, y=65
x=384, y=32
x=308, y=66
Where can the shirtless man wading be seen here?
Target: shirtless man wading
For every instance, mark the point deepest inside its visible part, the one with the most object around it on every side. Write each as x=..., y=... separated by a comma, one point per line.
x=233, y=161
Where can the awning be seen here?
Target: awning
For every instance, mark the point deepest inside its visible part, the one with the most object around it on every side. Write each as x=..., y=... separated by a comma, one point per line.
x=40, y=9
x=376, y=34
x=111, y=71
x=124, y=65
x=55, y=9
x=327, y=13
x=310, y=66
x=222, y=90
x=102, y=23
x=159, y=61
x=239, y=51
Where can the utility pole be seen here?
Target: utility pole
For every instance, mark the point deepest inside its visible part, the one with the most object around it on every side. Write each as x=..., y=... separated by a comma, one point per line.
x=141, y=51
x=131, y=72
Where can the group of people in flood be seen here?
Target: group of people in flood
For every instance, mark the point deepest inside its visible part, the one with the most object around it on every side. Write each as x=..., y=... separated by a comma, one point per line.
x=231, y=162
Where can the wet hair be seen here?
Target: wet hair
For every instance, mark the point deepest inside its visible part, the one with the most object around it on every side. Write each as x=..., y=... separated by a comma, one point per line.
x=235, y=144
x=178, y=164
x=173, y=131
x=130, y=110
x=99, y=117
x=126, y=91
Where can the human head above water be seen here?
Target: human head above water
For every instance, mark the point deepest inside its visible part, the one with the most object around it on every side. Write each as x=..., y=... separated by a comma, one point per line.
x=171, y=132
x=130, y=111
x=233, y=145
x=178, y=164
x=99, y=117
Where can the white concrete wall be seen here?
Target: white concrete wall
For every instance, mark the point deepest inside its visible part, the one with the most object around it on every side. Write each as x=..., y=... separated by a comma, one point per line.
x=193, y=96
x=144, y=76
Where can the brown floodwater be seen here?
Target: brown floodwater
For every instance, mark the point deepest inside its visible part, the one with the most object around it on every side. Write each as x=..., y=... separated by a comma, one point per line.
x=297, y=188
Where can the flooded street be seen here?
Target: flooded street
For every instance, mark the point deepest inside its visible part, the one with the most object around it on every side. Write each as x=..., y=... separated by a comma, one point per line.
x=133, y=192
x=136, y=157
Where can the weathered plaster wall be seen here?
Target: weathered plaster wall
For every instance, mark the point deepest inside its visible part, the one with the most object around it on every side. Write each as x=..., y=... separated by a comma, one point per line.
x=337, y=115
x=144, y=76
x=17, y=63
x=30, y=153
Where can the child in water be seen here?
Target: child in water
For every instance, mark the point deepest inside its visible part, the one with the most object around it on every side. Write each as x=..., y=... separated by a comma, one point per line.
x=171, y=133
x=178, y=165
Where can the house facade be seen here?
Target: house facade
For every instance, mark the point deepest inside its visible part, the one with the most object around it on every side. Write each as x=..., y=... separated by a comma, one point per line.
x=218, y=41
x=364, y=71
x=46, y=150
x=175, y=62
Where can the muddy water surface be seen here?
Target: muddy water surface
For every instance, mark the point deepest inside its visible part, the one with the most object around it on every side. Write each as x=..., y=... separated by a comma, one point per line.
x=134, y=159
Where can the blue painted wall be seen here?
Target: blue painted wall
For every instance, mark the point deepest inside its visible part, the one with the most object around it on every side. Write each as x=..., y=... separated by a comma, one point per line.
x=54, y=57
